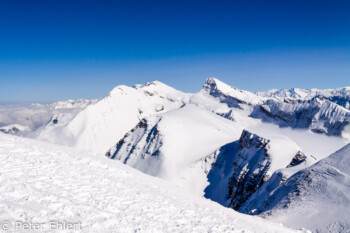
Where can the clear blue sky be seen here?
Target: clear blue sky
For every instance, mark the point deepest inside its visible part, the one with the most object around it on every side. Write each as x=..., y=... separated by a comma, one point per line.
x=57, y=49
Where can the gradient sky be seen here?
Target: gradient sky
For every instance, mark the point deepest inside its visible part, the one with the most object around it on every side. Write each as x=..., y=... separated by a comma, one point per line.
x=56, y=49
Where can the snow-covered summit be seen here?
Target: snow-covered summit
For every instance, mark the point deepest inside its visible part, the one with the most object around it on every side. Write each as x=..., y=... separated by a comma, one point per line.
x=100, y=125
x=230, y=95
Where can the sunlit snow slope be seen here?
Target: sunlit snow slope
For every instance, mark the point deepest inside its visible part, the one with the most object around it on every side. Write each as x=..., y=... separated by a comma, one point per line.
x=100, y=125
x=41, y=182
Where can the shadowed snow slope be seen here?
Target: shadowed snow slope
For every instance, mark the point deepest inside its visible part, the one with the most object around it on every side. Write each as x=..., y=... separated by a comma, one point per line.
x=242, y=167
x=40, y=182
x=317, y=198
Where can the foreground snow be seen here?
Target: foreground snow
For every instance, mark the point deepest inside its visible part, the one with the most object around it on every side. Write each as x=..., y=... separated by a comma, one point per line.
x=41, y=182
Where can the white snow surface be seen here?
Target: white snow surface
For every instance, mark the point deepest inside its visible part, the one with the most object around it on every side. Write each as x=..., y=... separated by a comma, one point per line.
x=40, y=182
x=317, y=198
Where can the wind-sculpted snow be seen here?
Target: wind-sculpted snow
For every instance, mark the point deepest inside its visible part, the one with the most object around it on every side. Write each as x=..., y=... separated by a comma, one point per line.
x=317, y=197
x=42, y=182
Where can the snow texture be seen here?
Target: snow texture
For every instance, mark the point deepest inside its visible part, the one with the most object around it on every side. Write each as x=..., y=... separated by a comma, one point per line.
x=40, y=182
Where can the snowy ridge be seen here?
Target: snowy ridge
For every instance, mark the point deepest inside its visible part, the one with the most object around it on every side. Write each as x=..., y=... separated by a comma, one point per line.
x=320, y=192
x=232, y=96
x=39, y=183
x=100, y=125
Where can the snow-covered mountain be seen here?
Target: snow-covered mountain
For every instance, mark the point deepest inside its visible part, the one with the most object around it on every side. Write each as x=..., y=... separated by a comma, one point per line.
x=15, y=129
x=316, y=197
x=231, y=146
x=42, y=183
x=169, y=145
x=340, y=96
x=100, y=125
x=320, y=116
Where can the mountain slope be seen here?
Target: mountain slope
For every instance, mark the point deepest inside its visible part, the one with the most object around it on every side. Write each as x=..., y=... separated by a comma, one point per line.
x=316, y=198
x=41, y=182
x=99, y=125
x=167, y=145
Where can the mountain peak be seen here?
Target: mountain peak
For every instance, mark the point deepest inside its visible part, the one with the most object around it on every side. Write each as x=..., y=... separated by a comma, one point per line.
x=228, y=94
x=213, y=85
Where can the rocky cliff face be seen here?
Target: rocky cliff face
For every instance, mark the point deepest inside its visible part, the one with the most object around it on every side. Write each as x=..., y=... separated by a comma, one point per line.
x=249, y=169
x=244, y=172
x=238, y=170
x=140, y=148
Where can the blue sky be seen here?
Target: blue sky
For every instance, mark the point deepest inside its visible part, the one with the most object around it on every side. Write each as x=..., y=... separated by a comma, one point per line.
x=55, y=50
